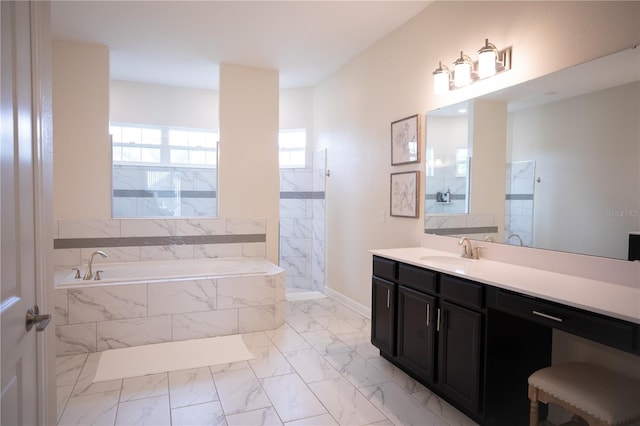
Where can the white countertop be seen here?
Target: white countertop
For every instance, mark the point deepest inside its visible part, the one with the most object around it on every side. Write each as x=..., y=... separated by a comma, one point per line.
x=613, y=300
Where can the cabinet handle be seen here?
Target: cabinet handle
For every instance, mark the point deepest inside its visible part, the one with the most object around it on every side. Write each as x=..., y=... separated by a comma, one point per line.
x=543, y=315
x=428, y=313
x=438, y=321
x=388, y=296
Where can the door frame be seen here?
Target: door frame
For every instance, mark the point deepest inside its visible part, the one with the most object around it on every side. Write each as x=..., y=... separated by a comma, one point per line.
x=42, y=128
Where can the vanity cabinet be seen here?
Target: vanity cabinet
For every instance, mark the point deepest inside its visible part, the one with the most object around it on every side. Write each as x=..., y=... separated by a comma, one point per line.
x=417, y=315
x=459, y=354
x=383, y=316
x=383, y=302
x=440, y=324
x=416, y=333
x=439, y=330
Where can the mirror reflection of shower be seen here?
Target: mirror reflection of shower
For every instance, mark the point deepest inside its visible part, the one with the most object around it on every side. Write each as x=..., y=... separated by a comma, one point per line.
x=447, y=163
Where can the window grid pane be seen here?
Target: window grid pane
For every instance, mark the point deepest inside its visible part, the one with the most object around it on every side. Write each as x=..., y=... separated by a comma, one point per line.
x=292, y=144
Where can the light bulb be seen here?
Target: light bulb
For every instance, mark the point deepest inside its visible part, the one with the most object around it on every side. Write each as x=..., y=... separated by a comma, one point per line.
x=441, y=79
x=462, y=73
x=487, y=58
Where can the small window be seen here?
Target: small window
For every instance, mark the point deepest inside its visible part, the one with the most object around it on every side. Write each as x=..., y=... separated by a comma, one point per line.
x=293, y=145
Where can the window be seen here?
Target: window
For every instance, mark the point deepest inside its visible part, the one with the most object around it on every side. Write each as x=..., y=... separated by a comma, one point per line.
x=293, y=144
x=163, y=145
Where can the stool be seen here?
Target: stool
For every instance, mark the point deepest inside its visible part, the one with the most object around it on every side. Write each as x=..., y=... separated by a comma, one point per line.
x=591, y=393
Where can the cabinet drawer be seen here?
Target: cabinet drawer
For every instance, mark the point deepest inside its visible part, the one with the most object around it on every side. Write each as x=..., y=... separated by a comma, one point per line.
x=461, y=291
x=609, y=331
x=417, y=278
x=385, y=268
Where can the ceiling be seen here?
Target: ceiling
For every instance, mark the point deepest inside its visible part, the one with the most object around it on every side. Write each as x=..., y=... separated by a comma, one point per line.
x=182, y=43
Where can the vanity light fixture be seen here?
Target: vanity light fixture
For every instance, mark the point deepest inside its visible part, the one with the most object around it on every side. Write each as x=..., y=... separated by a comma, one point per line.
x=491, y=61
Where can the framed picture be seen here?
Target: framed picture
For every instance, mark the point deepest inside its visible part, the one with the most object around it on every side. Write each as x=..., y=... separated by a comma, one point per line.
x=405, y=188
x=406, y=135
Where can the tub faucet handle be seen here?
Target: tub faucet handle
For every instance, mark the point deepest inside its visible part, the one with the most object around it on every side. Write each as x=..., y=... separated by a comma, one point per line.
x=77, y=275
x=97, y=278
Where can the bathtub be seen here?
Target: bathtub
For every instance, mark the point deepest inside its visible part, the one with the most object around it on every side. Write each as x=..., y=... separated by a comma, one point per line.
x=154, y=271
x=138, y=303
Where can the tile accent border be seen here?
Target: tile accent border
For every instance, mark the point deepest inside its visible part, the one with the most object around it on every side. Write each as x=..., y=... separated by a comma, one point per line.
x=70, y=243
x=463, y=230
x=148, y=193
x=513, y=197
x=302, y=195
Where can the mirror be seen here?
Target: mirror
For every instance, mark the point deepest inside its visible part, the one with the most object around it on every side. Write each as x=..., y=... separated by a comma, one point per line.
x=568, y=156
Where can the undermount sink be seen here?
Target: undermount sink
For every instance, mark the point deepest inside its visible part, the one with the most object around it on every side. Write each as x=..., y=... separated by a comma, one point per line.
x=450, y=261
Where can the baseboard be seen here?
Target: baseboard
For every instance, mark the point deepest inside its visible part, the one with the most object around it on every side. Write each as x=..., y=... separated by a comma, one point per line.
x=358, y=307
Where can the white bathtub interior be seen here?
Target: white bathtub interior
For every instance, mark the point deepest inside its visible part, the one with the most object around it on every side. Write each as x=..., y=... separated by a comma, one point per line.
x=155, y=271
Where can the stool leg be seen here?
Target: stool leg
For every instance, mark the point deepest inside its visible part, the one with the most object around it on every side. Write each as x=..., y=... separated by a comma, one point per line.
x=533, y=414
x=533, y=406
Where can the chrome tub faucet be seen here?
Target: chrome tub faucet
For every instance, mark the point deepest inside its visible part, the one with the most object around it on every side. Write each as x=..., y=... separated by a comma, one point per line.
x=89, y=274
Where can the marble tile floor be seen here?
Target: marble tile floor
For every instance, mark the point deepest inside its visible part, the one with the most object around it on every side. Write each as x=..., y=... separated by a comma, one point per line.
x=317, y=369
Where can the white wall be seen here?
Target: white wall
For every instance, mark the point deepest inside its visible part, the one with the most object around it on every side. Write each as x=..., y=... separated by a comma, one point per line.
x=392, y=79
x=296, y=112
x=248, y=178
x=296, y=109
x=81, y=147
x=140, y=103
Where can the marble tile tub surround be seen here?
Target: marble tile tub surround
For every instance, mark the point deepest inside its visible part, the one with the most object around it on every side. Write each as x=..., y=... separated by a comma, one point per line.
x=134, y=240
x=90, y=319
x=603, y=269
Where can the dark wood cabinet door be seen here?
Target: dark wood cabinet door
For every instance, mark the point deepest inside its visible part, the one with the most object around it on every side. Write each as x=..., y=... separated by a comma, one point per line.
x=383, y=315
x=459, y=354
x=416, y=332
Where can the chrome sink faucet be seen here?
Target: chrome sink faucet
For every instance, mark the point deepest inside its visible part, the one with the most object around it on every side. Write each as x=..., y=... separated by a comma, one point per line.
x=467, y=248
x=89, y=274
x=516, y=236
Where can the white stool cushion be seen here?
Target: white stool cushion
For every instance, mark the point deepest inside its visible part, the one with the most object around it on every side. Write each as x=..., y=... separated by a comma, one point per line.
x=594, y=390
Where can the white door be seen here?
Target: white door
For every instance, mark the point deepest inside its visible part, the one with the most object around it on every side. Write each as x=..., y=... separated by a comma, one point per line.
x=19, y=374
